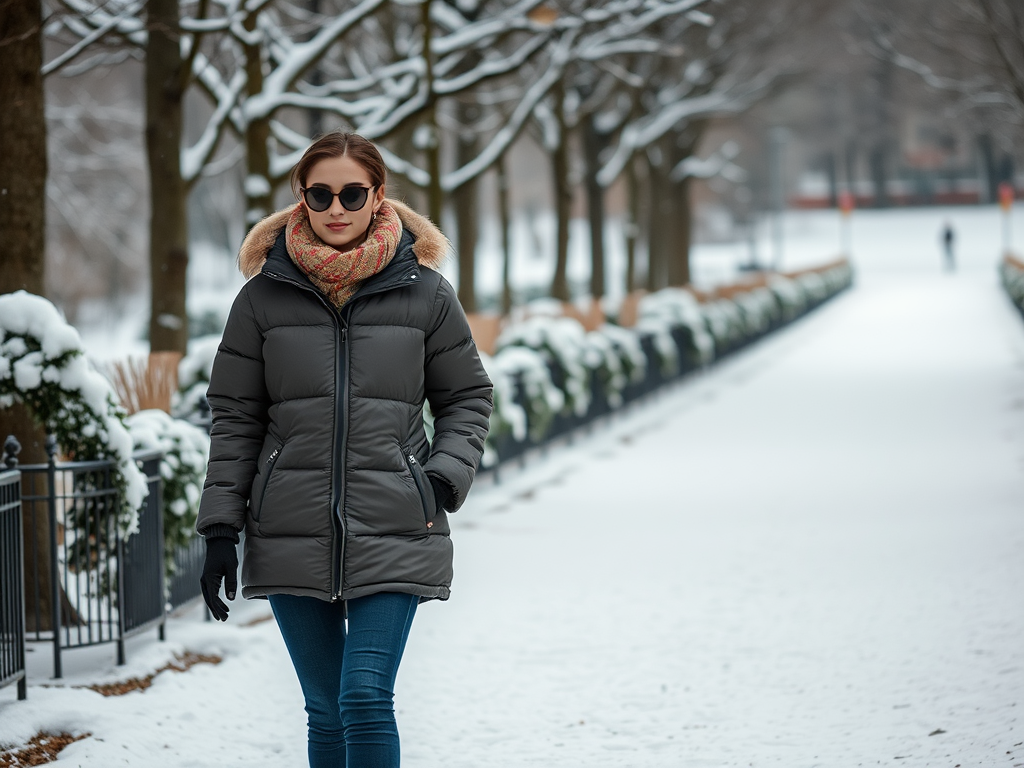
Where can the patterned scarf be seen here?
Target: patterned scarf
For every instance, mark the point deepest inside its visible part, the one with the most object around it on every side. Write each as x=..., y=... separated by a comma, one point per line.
x=338, y=274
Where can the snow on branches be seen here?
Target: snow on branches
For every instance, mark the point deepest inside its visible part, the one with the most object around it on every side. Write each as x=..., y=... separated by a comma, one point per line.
x=185, y=451
x=43, y=366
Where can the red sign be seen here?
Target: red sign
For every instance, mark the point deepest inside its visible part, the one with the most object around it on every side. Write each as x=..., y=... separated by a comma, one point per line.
x=845, y=202
x=1006, y=195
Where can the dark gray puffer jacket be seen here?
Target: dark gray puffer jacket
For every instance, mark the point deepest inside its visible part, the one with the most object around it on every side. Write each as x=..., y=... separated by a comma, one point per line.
x=318, y=445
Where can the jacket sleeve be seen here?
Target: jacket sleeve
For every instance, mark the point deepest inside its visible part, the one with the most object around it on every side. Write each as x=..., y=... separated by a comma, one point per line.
x=238, y=403
x=459, y=393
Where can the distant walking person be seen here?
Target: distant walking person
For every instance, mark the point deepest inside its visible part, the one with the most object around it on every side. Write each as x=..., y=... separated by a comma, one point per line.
x=342, y=333
x=948, y=238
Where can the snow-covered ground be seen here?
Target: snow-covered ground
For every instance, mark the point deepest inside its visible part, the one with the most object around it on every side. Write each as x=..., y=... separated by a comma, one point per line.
x=809, y=556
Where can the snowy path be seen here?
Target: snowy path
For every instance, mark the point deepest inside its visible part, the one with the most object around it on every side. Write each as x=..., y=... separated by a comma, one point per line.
x=812, y=555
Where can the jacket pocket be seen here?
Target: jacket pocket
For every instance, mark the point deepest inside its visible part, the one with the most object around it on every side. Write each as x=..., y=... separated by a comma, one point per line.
x=423, y=486
x=266, y=471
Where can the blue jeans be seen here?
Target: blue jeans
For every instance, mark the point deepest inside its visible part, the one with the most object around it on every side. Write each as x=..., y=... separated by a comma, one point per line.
x=348, y=676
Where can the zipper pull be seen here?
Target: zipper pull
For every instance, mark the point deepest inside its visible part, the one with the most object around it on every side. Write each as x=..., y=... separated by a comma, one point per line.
x=412, y=459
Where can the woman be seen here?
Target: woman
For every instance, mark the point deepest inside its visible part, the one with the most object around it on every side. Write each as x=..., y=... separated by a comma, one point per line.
x=318, y=446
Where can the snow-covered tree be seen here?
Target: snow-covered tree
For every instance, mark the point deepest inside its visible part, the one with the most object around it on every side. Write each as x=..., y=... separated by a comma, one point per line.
x=167, y=36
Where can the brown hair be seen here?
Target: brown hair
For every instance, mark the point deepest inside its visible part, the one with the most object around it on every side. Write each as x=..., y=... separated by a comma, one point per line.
x=340, y=144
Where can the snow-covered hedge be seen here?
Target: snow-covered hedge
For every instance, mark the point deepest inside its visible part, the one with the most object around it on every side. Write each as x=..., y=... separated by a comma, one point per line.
x=621, y=360
x=507, y=417
x=559, y=340
x=789, y=296
x=1012, y=273
x=43, y=365
x=674, y=321
x=194, y=376
x=675, y=308
x=541, y=399
x=725, y=322
x=758, y=309
x=186, y=451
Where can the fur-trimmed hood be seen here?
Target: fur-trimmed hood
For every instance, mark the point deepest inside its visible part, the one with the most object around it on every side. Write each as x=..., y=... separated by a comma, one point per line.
x=431, y=247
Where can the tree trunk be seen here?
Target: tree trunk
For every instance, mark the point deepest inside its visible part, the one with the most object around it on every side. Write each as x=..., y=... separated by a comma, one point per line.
x=23, y=158
x=506, y=231
x=987, y=158
x=631, y=227
x=831, y=171
x=682, y=217
x=259, y=198
x=168, y=232
x=22, y=220
x=680, y=226
x=466, y=211
x=659, y=230
x=435, y=195
x=593, y=144
x=563, y=199
x=879, y=175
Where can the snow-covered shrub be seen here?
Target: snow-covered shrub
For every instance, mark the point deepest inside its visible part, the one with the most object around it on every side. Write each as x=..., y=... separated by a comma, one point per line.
x=758, y=309
x=194, y=376
x=790, y=298
x=1012, y=274
x=186, y=451
x=562, y=341
x=814, y=287
x=606, y=361
x=838, y=277
x=675, y=308
x=43, y=365
x=507, y=417
x=725, y=322
x=665, y=349
x=625, y=344
x=541, y=398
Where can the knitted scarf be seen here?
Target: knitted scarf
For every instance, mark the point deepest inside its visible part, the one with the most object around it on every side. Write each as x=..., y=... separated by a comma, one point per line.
x=337, y=274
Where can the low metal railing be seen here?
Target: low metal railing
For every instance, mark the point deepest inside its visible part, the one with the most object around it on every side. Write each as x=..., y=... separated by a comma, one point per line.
x=87, y=583
x=12, y=598
x=183, y=586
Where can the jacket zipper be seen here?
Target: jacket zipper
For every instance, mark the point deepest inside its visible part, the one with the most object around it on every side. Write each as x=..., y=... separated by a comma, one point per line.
x=337, y=477
x=416, y=469
x=269, y=466
x=339, y=463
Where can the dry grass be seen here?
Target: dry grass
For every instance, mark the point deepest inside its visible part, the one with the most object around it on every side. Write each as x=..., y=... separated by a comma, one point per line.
x=149, y=383
x=42, y=749
x=485, y=328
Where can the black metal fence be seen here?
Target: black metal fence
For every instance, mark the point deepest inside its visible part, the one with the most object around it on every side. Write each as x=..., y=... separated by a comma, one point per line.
x=183, y=585
x=12, y=598
x=141, y=573
x=87, y=582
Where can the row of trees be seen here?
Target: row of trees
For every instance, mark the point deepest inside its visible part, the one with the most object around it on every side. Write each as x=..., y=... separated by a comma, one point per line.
x=446, y=88
x=969, y=56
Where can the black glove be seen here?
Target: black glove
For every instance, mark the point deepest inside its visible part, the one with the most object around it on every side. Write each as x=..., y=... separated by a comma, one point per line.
x=444, y=496
x=221, y=562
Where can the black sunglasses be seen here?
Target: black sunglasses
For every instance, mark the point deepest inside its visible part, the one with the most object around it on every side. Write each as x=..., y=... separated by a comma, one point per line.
x=319, y=199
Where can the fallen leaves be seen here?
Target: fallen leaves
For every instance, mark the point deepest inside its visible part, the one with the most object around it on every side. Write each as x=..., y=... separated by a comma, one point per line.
x=181, y=663
x=42, y=749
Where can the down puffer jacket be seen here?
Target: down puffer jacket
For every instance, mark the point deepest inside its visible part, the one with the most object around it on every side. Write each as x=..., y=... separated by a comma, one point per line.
x=318, y=444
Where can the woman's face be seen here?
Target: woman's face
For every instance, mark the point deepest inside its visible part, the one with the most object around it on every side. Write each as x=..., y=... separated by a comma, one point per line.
x=339, y=228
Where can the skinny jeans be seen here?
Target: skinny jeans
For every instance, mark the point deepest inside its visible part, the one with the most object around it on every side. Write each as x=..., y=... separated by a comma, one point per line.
x=348, y=673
